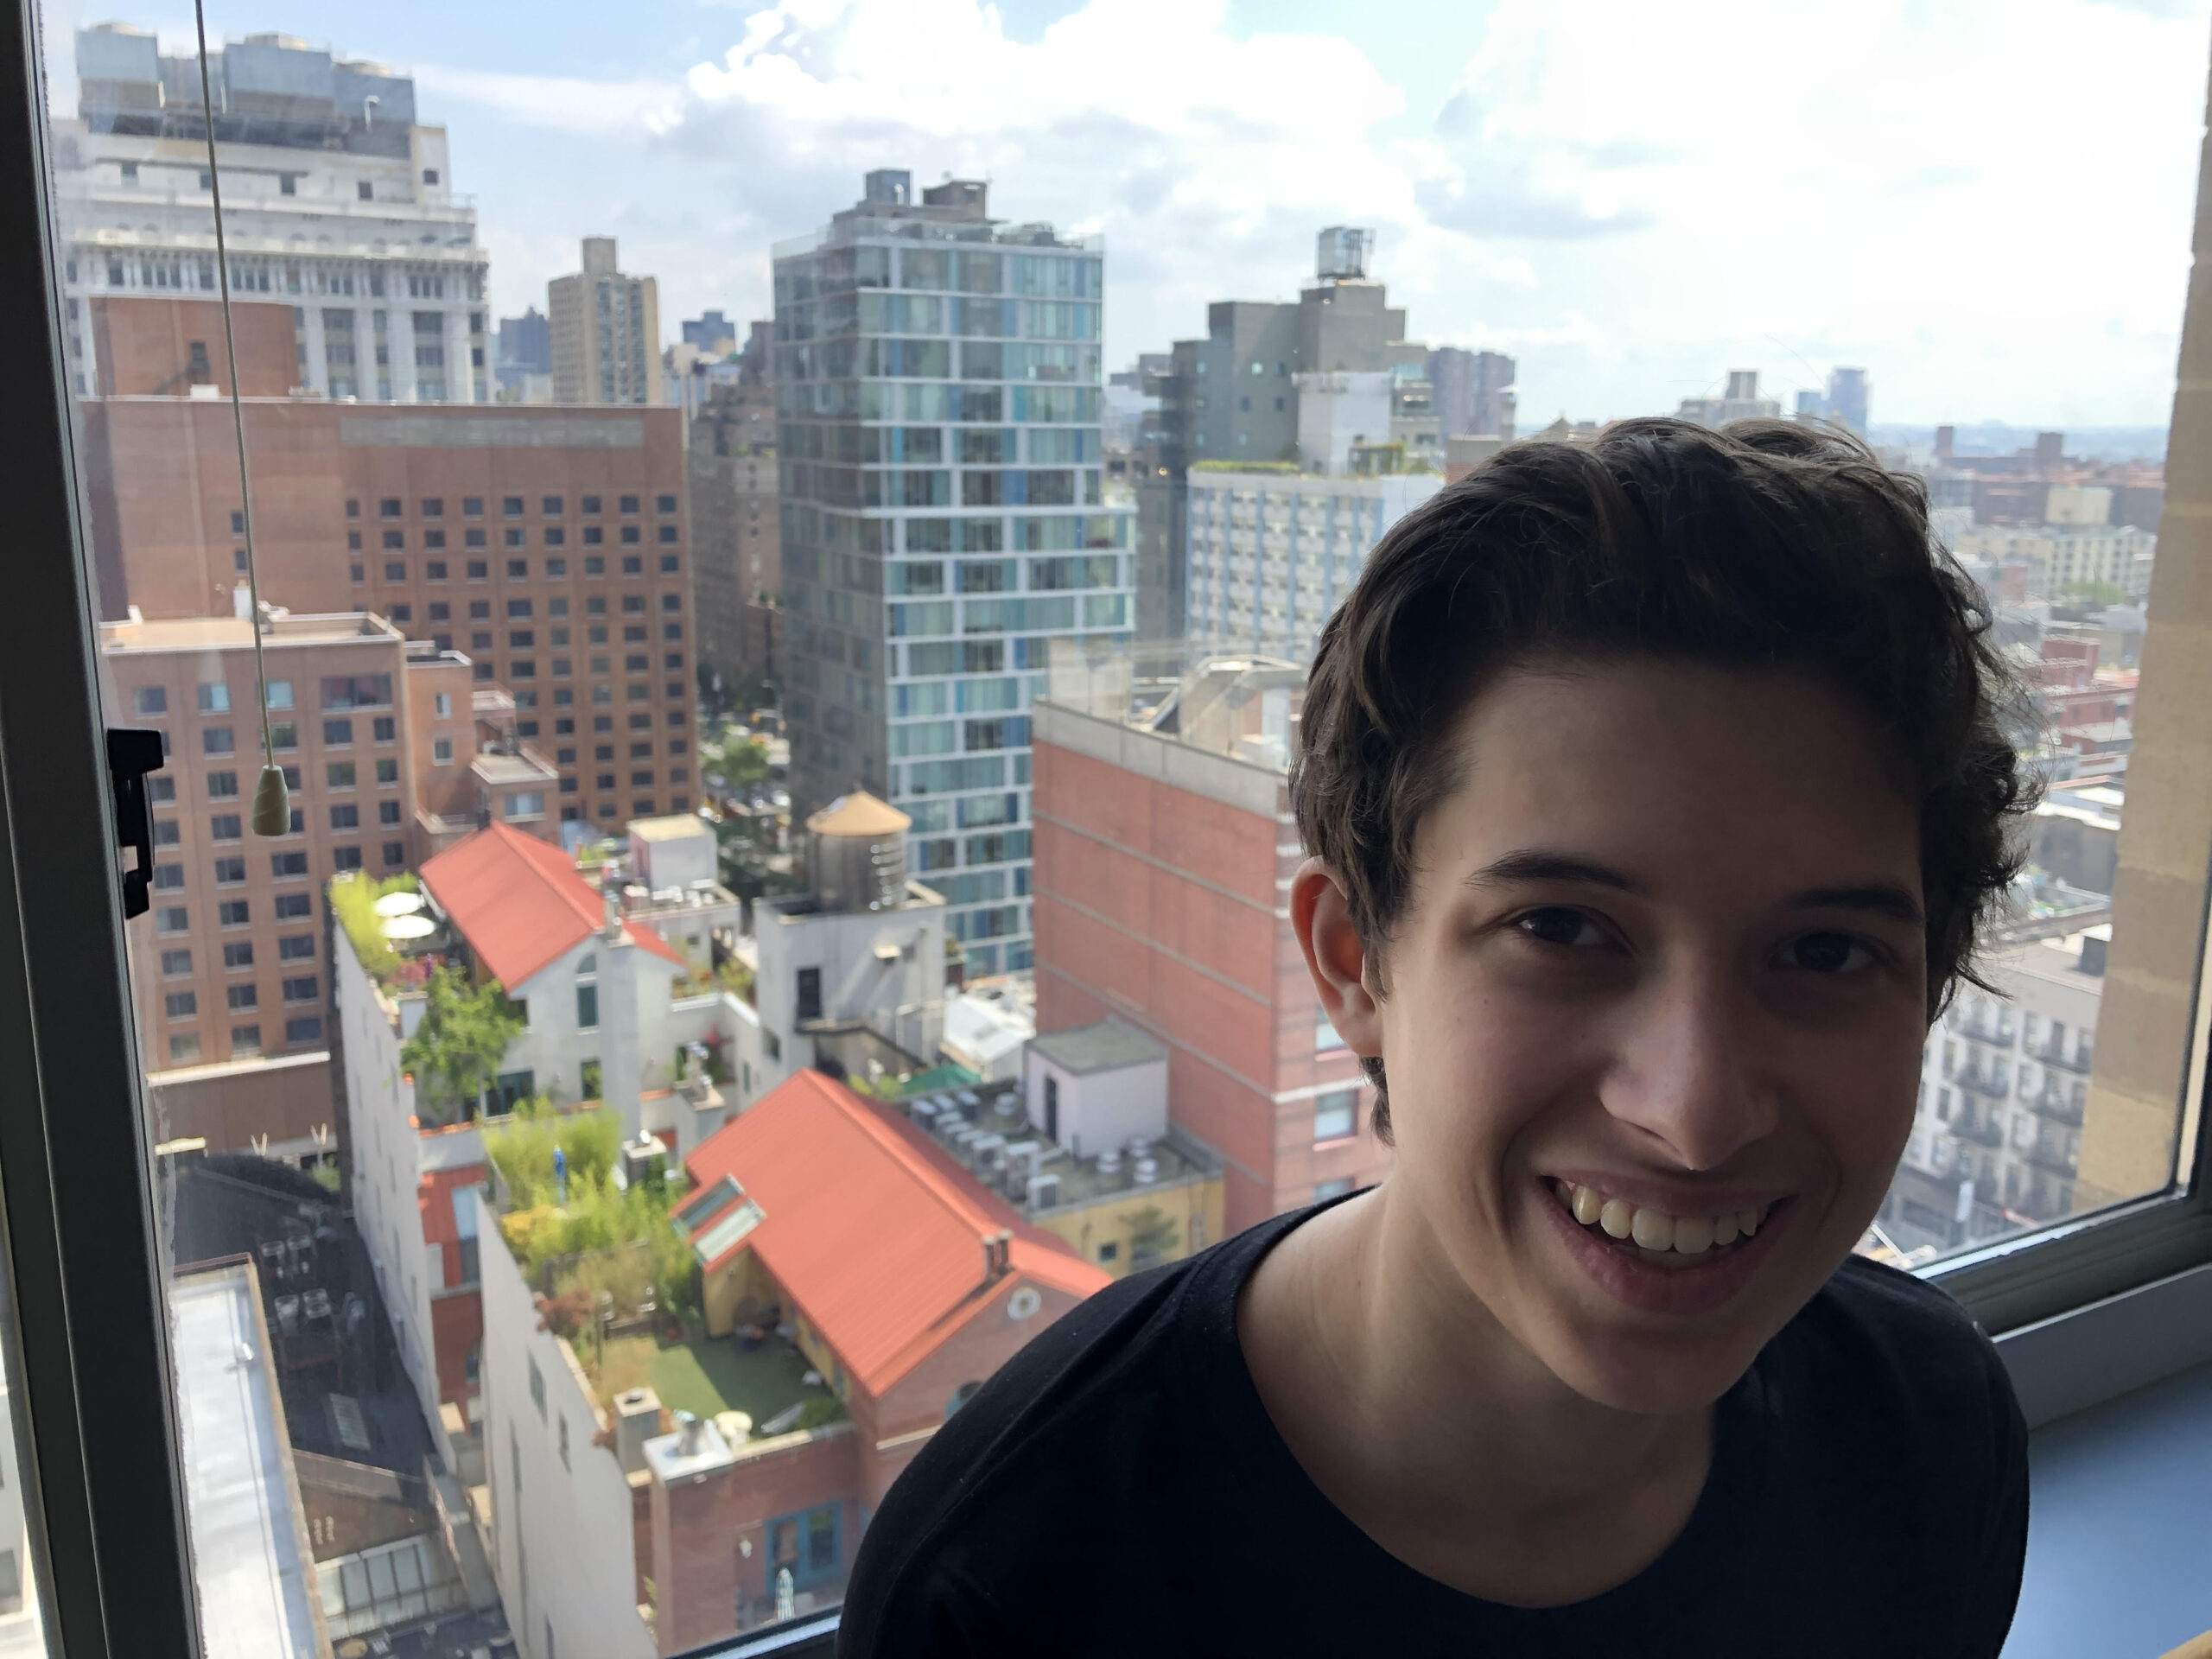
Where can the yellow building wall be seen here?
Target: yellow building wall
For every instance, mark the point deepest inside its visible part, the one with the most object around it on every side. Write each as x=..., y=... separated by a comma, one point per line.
x=1192, y=1208
x=740, y=1280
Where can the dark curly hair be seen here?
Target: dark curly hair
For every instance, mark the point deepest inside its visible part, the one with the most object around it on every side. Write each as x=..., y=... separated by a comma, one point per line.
x=1767, y=545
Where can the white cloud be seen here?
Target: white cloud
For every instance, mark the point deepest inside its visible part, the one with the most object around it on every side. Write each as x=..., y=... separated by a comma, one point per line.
x=1986, y=203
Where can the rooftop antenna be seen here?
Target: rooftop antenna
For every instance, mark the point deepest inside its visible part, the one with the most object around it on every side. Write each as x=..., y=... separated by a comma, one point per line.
x=272, y=805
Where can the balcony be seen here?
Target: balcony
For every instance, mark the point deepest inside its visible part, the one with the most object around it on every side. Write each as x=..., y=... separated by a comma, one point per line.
x=1985, y=1081
x=2056, y=1104
x=2083, y=1058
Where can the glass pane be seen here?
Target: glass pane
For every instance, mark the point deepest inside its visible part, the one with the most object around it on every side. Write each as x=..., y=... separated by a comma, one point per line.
x=748, y=775
x=23, y=1626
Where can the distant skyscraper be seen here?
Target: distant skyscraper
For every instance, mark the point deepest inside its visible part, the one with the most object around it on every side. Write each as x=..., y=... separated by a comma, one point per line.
x=946, y=535
x=341, y=215
x=606, y=328
x=1473, y=392
x=1741, y=403
x=526, y=342
x=1233, y=397
x=1847, y=394
x=710, y=331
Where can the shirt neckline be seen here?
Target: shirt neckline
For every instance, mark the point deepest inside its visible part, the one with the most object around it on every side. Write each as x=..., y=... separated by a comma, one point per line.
x=1731, y=1489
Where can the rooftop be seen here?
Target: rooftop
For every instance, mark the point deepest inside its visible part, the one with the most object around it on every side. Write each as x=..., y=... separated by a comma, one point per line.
x=250, y=1552
x=520, y=903
x=882, y=1244
x=1107, y=1046
x=860, y=814
x=987, y=1133
x=197, y=633
x=674, y=826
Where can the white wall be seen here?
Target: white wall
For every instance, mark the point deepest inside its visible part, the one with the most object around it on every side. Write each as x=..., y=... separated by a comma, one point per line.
x=902, y=999
x=1098, y=1109
x=564, y=1551
x=387, y=1159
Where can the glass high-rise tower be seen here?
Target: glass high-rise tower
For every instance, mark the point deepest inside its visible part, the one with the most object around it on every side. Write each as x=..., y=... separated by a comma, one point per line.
x=946, y=540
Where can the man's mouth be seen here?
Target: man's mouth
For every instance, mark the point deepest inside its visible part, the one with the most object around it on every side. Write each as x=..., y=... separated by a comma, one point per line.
x=1653, y=1236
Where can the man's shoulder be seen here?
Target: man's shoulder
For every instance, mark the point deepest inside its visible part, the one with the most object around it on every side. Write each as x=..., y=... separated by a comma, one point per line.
x=1102, y=1403
x=1897, y=1349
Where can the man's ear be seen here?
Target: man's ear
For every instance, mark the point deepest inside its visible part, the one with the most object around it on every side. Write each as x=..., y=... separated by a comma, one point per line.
x=1347, y=981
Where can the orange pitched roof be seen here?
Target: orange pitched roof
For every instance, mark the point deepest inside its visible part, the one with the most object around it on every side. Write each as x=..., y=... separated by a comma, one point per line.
x=876, y=1238
x=521, y=902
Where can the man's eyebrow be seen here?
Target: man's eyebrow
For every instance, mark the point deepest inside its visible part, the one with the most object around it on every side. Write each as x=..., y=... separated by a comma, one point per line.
x=1882, y=898
x=1534, y=864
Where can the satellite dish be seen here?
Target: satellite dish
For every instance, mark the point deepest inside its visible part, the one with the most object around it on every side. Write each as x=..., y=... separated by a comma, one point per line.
x=399, y=904
x=408, y=927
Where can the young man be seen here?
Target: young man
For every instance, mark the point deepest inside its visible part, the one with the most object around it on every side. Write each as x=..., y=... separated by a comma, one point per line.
x=1655, y=791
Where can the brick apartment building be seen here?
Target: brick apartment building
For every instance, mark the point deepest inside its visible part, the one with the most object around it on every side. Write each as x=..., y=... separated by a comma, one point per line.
x=902, y=1284
x=380, y=746
x=1164, y=858
x=549, y=545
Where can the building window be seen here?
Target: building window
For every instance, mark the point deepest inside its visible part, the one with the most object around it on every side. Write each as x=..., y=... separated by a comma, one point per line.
x=809, y=994
x=809, y=1547
x=587, y=1007
x=239, y=954
x=151, y=700
x=1335, y=1189
x=441, y=751
x=306, y=1029
x=1336, y=1115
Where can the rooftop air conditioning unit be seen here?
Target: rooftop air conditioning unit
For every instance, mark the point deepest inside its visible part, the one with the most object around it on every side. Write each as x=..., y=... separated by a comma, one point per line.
x=1043, y=1191
x=1147, y=1171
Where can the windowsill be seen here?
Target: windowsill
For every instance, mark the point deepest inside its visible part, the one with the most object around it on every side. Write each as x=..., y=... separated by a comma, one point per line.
x=2116, y=1526
x=1335, y=1142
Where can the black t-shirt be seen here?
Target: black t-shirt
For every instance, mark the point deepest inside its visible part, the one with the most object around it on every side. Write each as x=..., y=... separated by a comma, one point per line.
x=1119, y=1490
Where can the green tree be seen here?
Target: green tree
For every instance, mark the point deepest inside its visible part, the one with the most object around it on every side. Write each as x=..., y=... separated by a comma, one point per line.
x=2094, y=593
x=739, y=760
x=456, y=1051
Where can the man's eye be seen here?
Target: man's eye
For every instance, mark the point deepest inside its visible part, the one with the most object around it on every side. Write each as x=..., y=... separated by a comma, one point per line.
x=1558, y=925
x=1826, y=953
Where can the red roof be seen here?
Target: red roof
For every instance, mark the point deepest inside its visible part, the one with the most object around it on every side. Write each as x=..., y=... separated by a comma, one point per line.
x=876, y=1238
x=521, y=903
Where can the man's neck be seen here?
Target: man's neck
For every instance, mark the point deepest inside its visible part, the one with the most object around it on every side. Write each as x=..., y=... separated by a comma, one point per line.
x=1437, y=1433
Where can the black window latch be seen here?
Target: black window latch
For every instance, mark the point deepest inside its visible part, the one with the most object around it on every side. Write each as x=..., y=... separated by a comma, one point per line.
x=130, y=756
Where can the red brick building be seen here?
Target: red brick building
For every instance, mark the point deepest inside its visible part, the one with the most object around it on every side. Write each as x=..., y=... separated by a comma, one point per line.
x=1163, y=866
x=549, y=546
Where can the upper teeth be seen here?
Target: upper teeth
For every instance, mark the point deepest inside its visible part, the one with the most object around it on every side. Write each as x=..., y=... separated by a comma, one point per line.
x=1654, y=1230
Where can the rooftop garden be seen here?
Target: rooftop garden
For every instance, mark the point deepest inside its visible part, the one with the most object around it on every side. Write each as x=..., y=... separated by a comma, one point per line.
x=352, y=901
x=456, y=1051
x=622, y=1285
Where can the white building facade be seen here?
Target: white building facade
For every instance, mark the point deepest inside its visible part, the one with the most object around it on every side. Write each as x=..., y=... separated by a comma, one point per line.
x=337, y=203
x=1996, y=1141
x=1273, y=553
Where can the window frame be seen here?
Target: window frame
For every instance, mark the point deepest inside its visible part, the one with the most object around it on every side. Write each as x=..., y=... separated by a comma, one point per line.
x=2063, y=1301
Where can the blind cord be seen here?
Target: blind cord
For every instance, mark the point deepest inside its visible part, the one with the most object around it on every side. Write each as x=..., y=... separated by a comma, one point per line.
x=270, y=805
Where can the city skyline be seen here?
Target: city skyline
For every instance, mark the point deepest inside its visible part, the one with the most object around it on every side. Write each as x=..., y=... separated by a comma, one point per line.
x=1512, y=209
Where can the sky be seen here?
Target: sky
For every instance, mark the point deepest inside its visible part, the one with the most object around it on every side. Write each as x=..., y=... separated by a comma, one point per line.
x=1985, y=203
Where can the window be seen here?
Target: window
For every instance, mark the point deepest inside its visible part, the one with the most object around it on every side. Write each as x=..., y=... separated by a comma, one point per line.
x=176, y=962
x=291, y=905
x=215, y=700
x=808, y=998
x=337, y=734
x=339, y=774
x=181, y=1005
x=302, y=989
x=304, y=1030
x=587, y=1007
x=296, y=947
x=441, y=751
x=151, y=700
x=1336, y=1115
x=216, y=739
x=288, y=864
x=239, y=954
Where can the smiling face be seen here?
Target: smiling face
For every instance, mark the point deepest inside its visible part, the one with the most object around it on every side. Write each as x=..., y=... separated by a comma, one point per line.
x=1662, y=943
